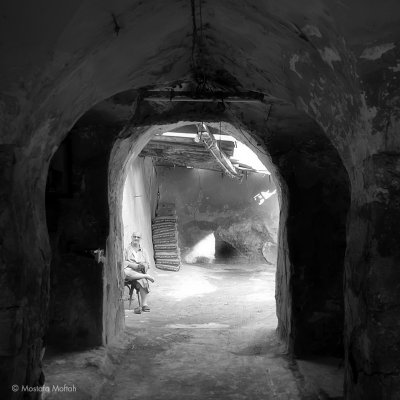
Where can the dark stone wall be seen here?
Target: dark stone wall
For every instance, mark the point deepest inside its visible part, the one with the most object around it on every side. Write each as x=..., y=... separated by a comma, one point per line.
x=78, y=222
x=314, y=214
x=24, y=271
x=76, y=299
x=372, y=283
x=372, y=296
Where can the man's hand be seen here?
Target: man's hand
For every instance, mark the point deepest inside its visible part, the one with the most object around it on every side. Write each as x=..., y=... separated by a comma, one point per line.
x=135, y=266
x=144, y=265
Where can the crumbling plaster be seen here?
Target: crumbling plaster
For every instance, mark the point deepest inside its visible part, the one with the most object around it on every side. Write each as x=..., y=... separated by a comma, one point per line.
x=61, y=59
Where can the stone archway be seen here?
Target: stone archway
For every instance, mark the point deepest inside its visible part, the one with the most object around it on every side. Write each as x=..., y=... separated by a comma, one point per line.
x=315, y=196
x=315, y=55
x=253, y=122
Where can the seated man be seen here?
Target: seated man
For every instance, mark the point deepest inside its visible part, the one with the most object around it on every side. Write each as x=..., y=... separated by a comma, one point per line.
x=135, y=268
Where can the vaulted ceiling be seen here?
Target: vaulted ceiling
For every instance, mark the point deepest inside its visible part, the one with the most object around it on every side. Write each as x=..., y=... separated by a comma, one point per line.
x=67, y=57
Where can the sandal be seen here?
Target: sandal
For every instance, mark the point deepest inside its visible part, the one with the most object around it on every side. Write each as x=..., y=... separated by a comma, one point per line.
x=146, y=309
x=137, y=310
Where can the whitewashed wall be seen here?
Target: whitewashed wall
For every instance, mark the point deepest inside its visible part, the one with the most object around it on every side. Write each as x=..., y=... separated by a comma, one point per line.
x=139, y=202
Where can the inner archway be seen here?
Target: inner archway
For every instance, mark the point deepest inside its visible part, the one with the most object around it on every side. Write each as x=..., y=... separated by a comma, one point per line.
x=177, y=178
x=212, y=207
x=307, y=167
x=216, y=320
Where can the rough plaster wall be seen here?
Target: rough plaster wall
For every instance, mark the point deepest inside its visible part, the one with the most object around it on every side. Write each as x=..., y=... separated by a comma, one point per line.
x=24, y=281
x=207, y=201
x=283, y=276
x=372, y=273
x=139, y=202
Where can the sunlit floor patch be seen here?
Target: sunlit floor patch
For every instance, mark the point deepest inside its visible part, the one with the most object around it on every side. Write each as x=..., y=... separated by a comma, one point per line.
x=192, y=288
x=210, y=325
x=215, y=277
x=258, y=296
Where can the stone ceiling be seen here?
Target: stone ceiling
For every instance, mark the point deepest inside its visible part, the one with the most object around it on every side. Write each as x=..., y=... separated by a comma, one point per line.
x=63, y=61
x=84, y=52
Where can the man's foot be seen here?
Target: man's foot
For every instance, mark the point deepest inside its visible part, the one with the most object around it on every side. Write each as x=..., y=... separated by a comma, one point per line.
x=146, y=309
x=137, y=310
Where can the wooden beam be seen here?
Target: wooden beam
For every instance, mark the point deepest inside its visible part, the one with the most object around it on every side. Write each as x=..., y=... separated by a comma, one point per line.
x=209, y=141
x=164, y=142
x=217, y=96
x=209, y=165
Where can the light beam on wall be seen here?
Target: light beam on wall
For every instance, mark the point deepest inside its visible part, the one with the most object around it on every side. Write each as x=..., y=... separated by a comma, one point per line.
x=205, y=249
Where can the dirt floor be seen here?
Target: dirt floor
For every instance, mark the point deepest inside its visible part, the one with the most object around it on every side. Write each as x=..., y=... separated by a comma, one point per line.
x=210, y=335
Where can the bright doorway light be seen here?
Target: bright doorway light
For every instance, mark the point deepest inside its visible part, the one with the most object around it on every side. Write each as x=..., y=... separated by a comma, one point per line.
x=245, y=155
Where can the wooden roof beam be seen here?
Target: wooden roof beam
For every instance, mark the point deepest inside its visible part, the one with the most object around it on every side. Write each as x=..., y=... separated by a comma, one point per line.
x=209, y=97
